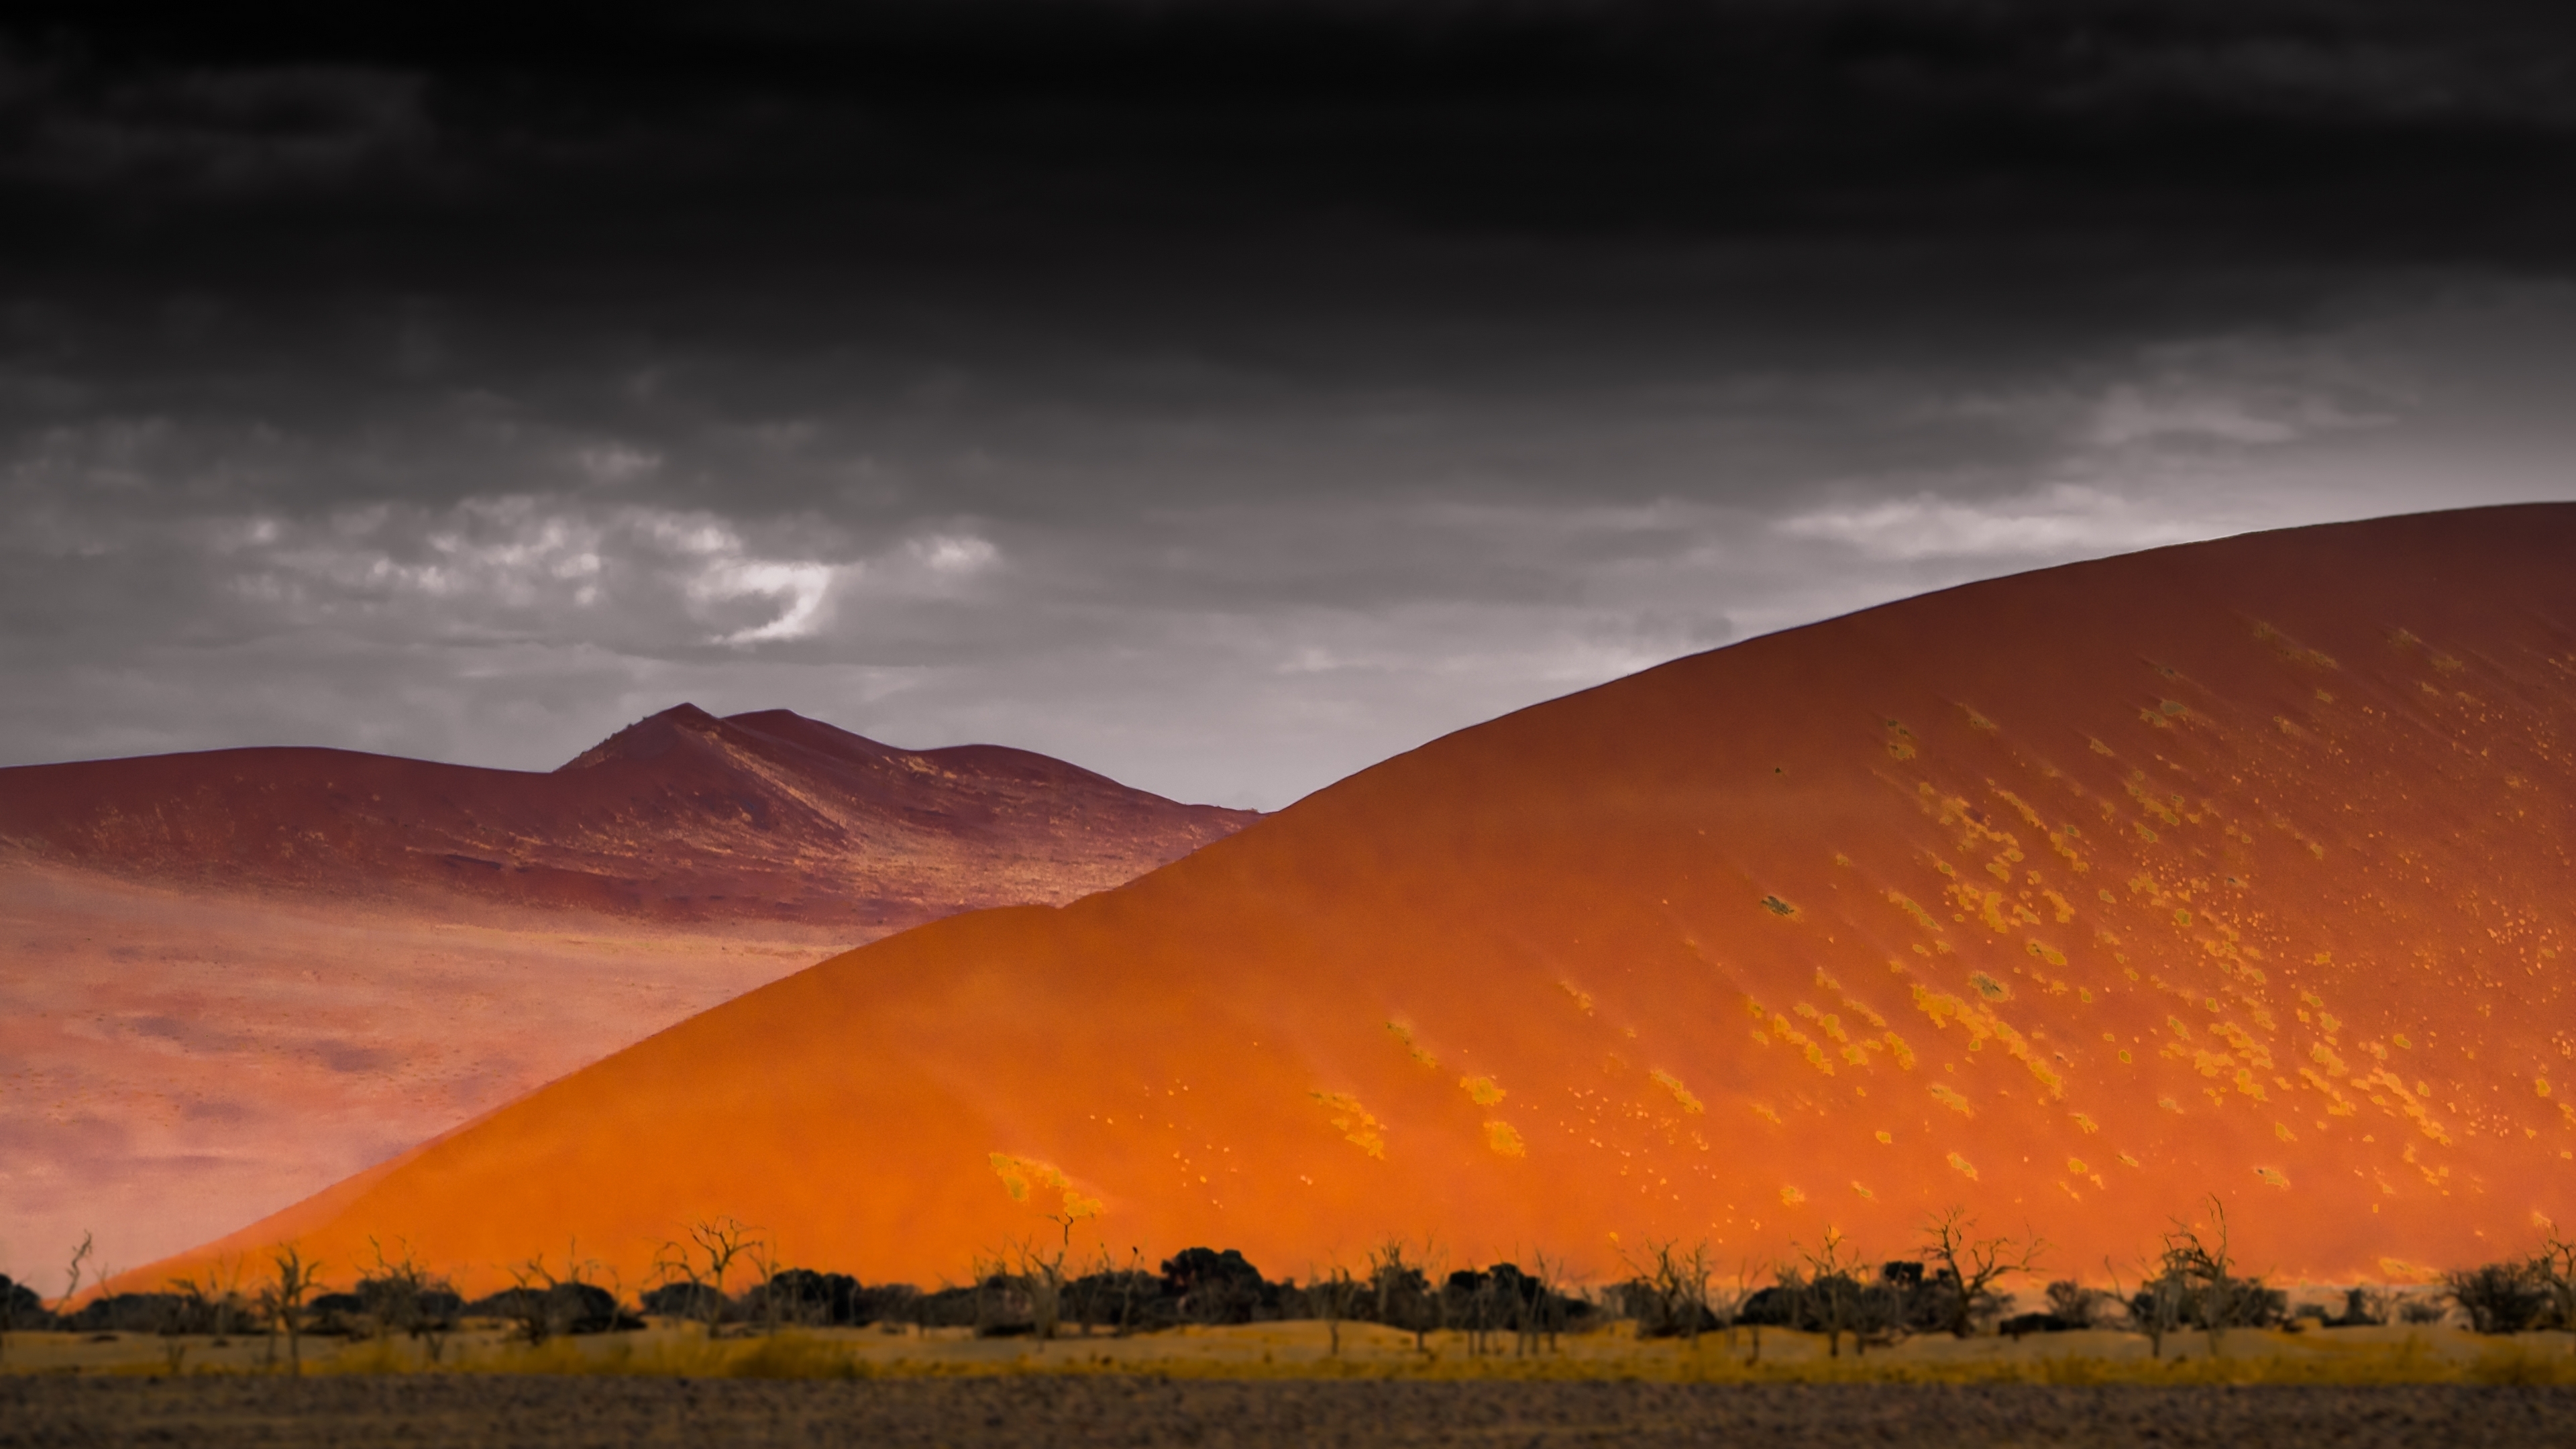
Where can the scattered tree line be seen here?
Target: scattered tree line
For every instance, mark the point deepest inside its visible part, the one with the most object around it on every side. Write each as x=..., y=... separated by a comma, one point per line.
x=725, y=1277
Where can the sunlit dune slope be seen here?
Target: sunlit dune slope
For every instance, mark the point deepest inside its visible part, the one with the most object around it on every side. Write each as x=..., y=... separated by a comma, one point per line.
x=682, y=817
x=2238, y=868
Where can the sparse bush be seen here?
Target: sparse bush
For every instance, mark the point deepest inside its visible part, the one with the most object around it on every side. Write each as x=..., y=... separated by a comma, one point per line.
x=1208, y=1286
x=803, y=1297
x=281, y=1301
x=2026, y=1323
x=703, y=1259
x=1403, y=1292
x=2499, y=1297
x=21, y=1308
x=2421, y=1310
x=547, y=1305
x=1969, y=1267
x=2553, y=1269
x=398, y=1295
x=2363, y=1307
x=125, y=1313
x=699, y=1302
x=2073, y=1304
x=1667, y=1296
x=2215, y=1299
x=2157, y=1308
x=1124, y=1300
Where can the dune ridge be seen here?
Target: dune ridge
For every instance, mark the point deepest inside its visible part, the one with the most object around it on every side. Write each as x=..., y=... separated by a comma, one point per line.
x=2240, y=867
x=680, y=817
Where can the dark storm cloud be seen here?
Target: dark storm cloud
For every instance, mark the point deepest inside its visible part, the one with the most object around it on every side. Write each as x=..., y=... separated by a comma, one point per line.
x=1221, y=394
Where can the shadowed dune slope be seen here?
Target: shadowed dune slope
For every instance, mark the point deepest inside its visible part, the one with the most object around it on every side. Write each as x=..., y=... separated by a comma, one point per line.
x=2239, y=867
x=229, y=979
x=681, y=817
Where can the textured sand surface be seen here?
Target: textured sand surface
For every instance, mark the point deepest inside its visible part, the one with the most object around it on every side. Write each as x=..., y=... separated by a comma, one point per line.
x=2241, y=867
x=559, y=1413
x=229, y=980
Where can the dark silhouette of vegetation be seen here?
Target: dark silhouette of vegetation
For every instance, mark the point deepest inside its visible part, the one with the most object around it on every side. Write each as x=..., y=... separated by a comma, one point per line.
x=1967, y=1267
x=2517, y=1294
x=546, y=1304
x=399, y=1296
x=20, y=1308
x=72, y=1276
x=1835, y=1295
x=1667, y=1293
x=281, y=1301
x=1331, y=1297
x=1211, y=1287
x=2499, y=1297
x=1403, y=1291
x=2193, y=1281
x=703, y=1258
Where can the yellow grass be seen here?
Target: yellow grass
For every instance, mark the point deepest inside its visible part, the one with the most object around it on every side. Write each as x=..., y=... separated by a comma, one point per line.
x=1302, y=1350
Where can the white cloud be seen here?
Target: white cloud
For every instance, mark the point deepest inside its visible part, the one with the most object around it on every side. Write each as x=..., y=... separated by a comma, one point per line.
x=954, y=554
x=799, y=588
x=615, y=463
x=2060, y=521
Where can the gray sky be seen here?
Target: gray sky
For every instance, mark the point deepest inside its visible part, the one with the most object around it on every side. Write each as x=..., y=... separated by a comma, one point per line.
x=1220, y=396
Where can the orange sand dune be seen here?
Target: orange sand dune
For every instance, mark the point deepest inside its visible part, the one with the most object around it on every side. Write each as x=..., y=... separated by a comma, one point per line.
x=2239, y=867
x=230, y=979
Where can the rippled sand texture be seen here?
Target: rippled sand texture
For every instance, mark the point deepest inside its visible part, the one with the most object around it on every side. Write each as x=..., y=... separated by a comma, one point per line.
x=2239, y=867
x=228, y=980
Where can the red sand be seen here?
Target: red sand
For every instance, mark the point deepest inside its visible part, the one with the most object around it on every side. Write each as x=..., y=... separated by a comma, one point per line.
x=682, y=817
x=2239, y=867
x=228, y=980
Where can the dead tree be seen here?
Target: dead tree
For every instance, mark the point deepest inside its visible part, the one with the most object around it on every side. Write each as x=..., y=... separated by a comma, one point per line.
x=1041, y=1277
x=1741, y=1295
x=1833, y=1293
x=1127, y=1288
x=713, y=1246
x=1404, y=1298
x=2156, y=1309
x=2555, y=1266
x=1546, y=1300
x=1330, y=1295
x=1974, y=1265
x=219, y=1288
x=2191, y=1257
x=765, y=1262
x=1692, y=1268
x=532, y=1287
x=281, y=1299
x=72, y=1278
x=400, y=1294
x=11, y=1294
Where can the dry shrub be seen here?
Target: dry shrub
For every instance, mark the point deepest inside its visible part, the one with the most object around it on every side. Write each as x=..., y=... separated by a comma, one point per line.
x=795, y=1356
x=2519, y=1364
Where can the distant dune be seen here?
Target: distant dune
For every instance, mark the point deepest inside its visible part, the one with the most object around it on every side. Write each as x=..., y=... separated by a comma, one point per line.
x=682, y=817
x=2240, y=867
x=229, y=979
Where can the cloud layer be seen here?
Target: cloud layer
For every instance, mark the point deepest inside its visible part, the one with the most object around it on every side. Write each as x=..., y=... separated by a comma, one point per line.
x=1221, y=396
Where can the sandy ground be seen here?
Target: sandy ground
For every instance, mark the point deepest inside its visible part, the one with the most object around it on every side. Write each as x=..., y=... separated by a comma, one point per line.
x=560, y=1412
x=173, y=1067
